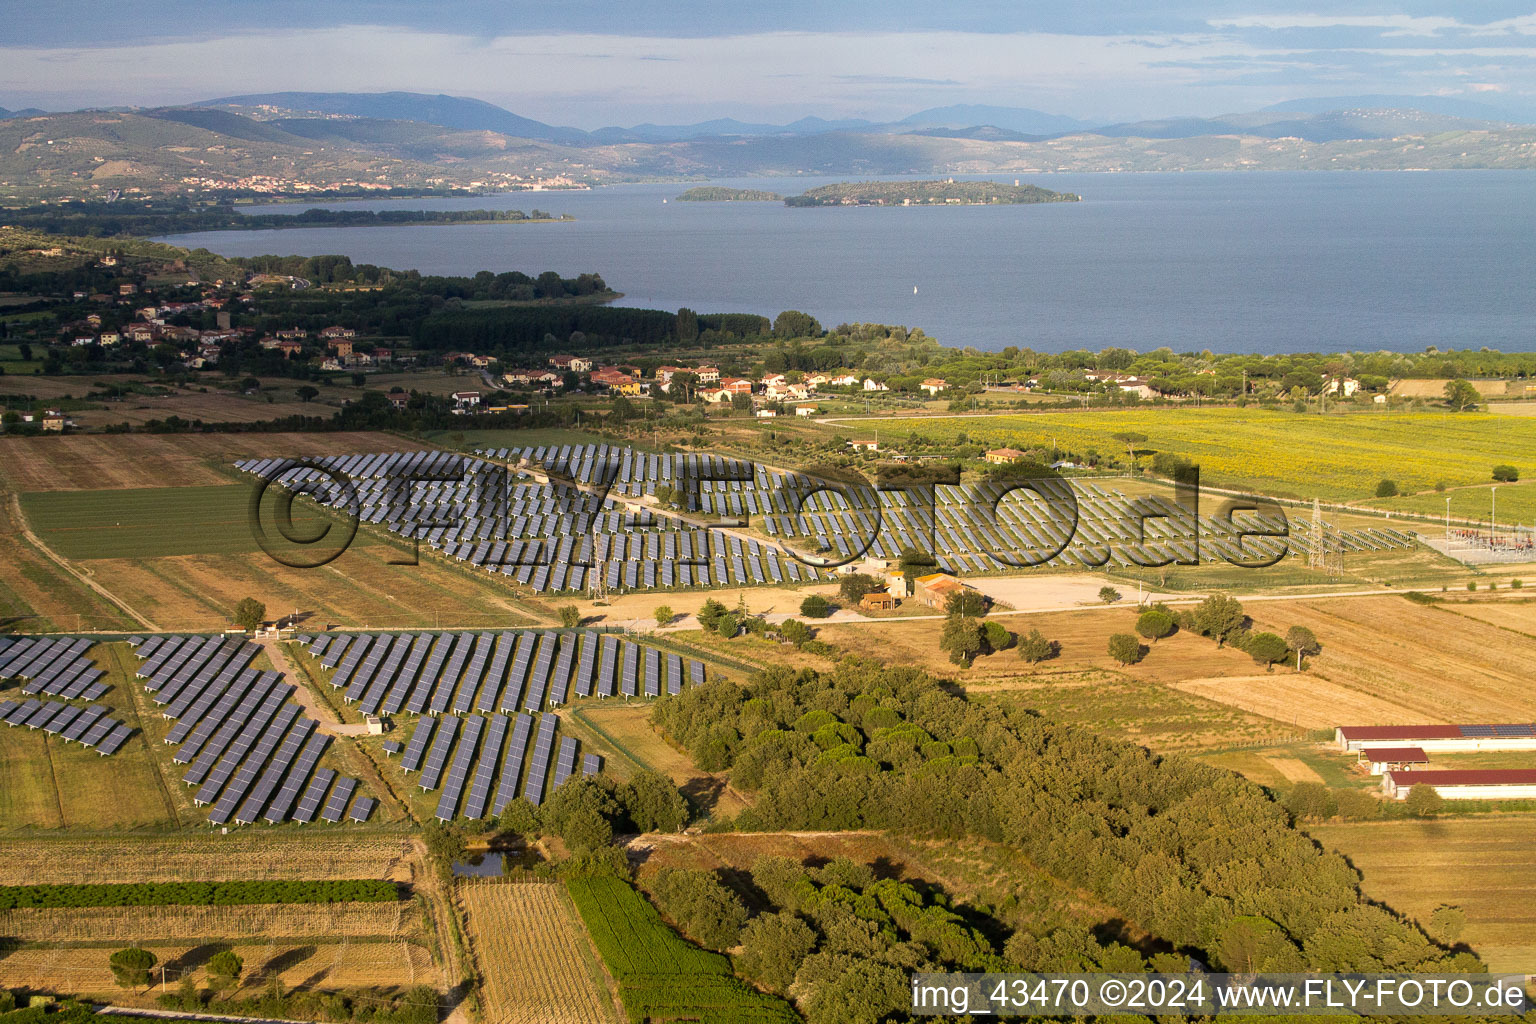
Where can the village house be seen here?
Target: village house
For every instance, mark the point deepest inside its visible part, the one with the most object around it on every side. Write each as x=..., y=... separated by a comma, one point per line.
x=805, y=410
x=878, y=601
x=466, y=399
x=338, y=332
x=714, y=396
x=736, y=385
x=933, y=385
x=1345, y=386
x=870, y=384
x=846, y=380
x=615, y=380
x=935, y=589
x=575, y=364
x=289, y=349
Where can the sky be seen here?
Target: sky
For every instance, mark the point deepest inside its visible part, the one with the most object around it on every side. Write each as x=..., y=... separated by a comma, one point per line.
x=591, y=64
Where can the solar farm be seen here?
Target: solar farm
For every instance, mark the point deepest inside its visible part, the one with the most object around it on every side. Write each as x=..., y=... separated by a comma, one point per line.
x=566, y=518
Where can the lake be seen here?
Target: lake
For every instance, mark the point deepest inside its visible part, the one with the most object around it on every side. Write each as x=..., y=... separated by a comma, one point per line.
x=1258, y=262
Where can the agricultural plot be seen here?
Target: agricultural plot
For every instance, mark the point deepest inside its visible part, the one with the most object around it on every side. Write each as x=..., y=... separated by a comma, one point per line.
x=661, y=977
x=204, y=856
x=257, y=921
x=307, y=963
x=533, y=955
x=1481, y=864
x=1514, y=503
x=1389, y=661
x=39, y=594
x=1287, y=454
x=625, y=729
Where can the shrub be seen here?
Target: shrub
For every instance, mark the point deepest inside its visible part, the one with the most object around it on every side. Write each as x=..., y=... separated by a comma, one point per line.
x=1310, y=801
x=1515, y=584
x=1446, y=923
x=1109, y=595
x=570, y=616
x=709, y=615
x=249, y=613
x=815, y=607
x=1357, y=805
x=663, y=614
x=1505, y=473
x=1423, y=801
x=1471, y=584
x=728, y=625
x=131, y=967
x=1386, y=489
x=1126, y=649
x=1035, y=648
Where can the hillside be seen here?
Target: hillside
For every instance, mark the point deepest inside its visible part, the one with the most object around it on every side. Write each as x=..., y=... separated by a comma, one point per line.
x=207, y=148
x=928, y=193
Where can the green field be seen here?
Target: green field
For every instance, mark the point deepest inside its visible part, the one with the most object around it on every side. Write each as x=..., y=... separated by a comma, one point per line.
x=1298, y=455
x=154, y=522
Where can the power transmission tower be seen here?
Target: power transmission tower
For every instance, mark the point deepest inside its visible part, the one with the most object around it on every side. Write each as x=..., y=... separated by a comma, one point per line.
x=1322, y=554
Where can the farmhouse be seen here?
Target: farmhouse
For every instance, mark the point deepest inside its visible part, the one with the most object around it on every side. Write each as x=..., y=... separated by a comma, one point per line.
x=933, y=385
x=1465, y=783
x=1387, y=759
x=878, y=601
x=934, y=589
x=1003, y=456
x=1445, y=738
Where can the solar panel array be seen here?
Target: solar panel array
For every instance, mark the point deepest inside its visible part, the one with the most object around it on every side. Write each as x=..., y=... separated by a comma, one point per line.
x=250, y=751
x=437, y=673
x=57, y=666
x=88, y=726
x=1511, y=730
x=549, y=516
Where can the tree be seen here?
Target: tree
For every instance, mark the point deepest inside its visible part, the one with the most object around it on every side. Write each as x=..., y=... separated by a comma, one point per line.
x=1125, y=648
x=570, y=616
x=653, y=802
x=1460, y=395
x=1446, y=923
x=796, y=632
x=249, y=613
x=1310, y=801
x=914, y=562
x=359, y=379
x=306, y=393
x=696, y=902
x=856, y=584
x=687, y=325
x=1154, y=624
x=663, y=614
x=131, y=967
x=728, y=625
x=709, y=615
x=1386, y=488
x=1505, y=473
x=962, y=639
x=965, y=603
x=794, y=324
x=224, y=968
x=445, y=843
x=1300, y=640
x=997, y=636
x=1035, y=648
x=1219, y=616
x=1109, y=595
x=1267, y=648
x=1130, y=439
x=772, y=948
x=815, y=607
x=1423, y=801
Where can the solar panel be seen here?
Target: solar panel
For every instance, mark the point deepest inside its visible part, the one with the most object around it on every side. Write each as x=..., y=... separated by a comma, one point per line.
x=630, y=682
x=479, y=795
x=591, y=764
x=608, y=670
x=416, y=750
x=512, y=764
x=309, y=803
x=437, y=755
x=391, y=747
x=362, y=810
x=565, y=760
x=336, y=806
x=538, y=766
x=458, y=772
x=114, y=739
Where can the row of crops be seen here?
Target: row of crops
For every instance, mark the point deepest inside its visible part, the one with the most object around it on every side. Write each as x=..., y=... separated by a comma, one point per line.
x=197, y=894
x=661, y=976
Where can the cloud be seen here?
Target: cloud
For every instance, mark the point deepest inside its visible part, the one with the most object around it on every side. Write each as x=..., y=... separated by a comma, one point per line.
x=1391, y=25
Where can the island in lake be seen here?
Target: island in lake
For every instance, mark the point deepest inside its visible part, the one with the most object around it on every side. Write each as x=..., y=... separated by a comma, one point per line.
x=721, y=194
x=928, y=193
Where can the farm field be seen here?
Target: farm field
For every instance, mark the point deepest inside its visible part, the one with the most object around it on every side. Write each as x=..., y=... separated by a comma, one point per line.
x=387, y=921
x=83, y=462
x=1473, y=503
x=1481, y=864
x=1336, y=457
x=1516, y=615
x=622, y=733
x=1435, y=388
x=1386, y=660
x=308, y=964
x=47, y=783
x=534, y=956
x=38, y=594
x=1083, y=636
x=205, y=856
x=1155, y=715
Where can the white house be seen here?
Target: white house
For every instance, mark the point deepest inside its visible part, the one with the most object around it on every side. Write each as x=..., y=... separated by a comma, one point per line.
x=933, y=385
x=870, y=384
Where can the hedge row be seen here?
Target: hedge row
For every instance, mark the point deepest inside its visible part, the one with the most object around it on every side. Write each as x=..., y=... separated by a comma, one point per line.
x=153, y=894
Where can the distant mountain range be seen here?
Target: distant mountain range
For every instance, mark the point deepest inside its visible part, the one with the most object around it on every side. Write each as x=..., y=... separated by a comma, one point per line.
x=416, y=141
x=1316, y=120
x=28, y=112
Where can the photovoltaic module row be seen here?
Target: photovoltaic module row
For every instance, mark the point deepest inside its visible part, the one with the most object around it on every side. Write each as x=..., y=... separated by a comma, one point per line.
x=481, y=763
x=57, y=666
x=89, y=726
x=249, y=750
x=457, y=672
